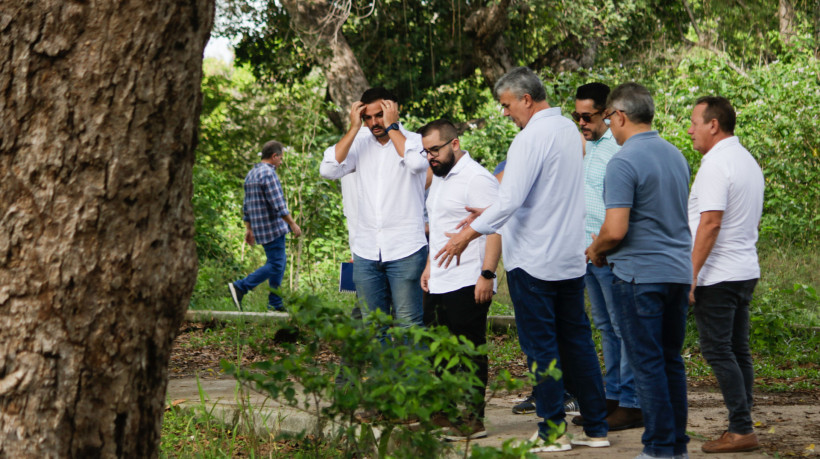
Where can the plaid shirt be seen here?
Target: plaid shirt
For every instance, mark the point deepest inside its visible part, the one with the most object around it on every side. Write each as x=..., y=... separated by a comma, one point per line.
x=265, y=204
x=599, y=152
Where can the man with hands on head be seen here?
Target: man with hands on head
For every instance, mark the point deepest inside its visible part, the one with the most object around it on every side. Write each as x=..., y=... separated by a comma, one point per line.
x=541, y=208
x=389, y=247
x=460, y=295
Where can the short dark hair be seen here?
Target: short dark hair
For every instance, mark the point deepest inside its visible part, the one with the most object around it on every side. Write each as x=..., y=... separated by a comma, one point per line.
x=721, y=109
x=272, y=148
x=444, y=127
x=634, y=100
x=595, y=91
x=379, y=92
x=520, y=81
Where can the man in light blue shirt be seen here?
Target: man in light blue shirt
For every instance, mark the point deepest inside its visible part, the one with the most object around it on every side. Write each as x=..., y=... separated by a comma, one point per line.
x=541, y=208
x=623, y=410
x=645, y=240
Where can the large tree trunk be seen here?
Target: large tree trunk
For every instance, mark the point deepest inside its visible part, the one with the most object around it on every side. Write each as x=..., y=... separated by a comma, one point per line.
x=99, y=105
x=486, y=26
x=319, y=29
x=785, y=13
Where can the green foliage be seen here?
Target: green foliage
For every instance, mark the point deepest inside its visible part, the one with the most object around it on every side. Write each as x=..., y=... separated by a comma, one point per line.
x=421, y=372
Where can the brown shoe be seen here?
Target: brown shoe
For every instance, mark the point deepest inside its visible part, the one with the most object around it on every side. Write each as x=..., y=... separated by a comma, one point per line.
x=732, y=443
x=625, y=418
x=611, y=406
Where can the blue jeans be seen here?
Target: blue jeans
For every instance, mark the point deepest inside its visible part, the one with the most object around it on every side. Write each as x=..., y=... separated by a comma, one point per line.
x=722, y=316
x=619, y=380
x=552, y=325
x=653, y=324
x=272, y=271
x=379, y=281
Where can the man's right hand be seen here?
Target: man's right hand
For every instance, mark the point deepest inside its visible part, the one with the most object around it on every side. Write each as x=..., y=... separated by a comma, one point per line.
x=249, y=239
x=425, y=278
x=356, y=111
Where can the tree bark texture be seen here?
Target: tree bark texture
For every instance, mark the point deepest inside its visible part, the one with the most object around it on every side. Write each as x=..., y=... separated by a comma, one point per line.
x=99, y=106
x=785, y=13
x=318, y=30
x=486, y=26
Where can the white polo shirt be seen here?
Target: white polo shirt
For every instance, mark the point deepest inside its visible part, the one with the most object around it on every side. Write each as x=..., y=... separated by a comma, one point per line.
x=467, y=184
x=729, y=180
x=541, y=200
x=389, y=194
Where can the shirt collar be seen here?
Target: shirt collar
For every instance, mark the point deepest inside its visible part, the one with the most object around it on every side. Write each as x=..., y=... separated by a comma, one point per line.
x=461, y=164
x=718, y=147
x=545, y=113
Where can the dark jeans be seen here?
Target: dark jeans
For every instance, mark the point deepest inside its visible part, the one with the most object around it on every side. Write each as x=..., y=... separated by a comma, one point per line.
x=652, y=318
x=272, y=271
x=552, y=325
x=722, y=316
x=459, y=312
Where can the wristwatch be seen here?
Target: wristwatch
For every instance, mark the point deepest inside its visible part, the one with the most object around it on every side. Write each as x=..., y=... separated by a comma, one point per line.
x=391, y=127
x=487, y=274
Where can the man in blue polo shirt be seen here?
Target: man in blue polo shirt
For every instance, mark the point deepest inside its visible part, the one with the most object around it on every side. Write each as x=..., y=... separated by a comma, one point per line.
x=267, y=221
x=645, y=239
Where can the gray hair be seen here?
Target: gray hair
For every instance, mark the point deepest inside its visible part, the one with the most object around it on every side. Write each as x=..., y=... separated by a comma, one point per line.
x=520, y=81
x=634, y=100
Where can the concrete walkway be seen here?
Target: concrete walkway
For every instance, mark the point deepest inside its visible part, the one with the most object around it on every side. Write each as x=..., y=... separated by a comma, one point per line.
x=223, y=399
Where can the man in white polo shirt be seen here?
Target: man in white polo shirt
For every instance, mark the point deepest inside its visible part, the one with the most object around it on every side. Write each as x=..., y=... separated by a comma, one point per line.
x=540, y=206
x=389, y=247
x=725, y=205
x=460, y=295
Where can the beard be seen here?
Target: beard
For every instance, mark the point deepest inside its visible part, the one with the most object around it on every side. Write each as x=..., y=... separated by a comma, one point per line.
x=442, y=168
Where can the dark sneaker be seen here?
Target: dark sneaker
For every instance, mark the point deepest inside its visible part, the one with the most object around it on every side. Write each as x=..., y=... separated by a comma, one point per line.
x=236, y=296
x=526, y=406
x=571, y=407
x=468, y=429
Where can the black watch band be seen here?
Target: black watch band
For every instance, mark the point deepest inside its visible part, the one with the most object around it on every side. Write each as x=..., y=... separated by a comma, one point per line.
x=392, y=127
x=487, y=274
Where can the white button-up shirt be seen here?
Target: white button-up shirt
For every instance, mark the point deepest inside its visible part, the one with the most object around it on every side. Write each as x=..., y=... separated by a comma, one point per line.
x=541, y=200
x=729, y=180
x=467, y=184
x=389, y=194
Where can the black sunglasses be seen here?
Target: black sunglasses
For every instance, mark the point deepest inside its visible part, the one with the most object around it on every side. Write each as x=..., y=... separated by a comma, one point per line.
x=587, y=117
x=433, y=151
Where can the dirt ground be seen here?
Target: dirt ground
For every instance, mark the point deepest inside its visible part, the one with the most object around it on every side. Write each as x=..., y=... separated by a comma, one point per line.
x=787, y=423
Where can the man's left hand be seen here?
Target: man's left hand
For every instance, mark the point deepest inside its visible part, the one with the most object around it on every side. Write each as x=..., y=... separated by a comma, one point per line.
x=483, y=290
x=390, y=112
x=294, y=228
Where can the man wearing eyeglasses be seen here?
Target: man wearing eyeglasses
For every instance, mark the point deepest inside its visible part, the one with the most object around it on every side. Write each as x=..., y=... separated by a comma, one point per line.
x=623, y=409
x=645, y=240
x=541, y=209
x=389, y=247
x=725, y=205
x=460, y=295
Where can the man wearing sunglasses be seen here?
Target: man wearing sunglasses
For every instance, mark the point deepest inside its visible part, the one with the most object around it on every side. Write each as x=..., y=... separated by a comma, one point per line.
x=389, y=247
x=460, y=295
x=623, y=409
x=645, y=240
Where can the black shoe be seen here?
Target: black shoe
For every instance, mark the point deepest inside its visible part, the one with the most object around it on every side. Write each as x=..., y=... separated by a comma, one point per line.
x=525, y=407
x=236, y=296
x=571, y=407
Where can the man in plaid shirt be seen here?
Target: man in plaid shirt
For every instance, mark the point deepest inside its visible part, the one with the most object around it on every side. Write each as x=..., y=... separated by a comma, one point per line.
x=267, y=221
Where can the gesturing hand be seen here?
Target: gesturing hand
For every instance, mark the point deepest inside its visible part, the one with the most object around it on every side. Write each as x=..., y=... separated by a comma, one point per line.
x=356, y=111
x=474, y=213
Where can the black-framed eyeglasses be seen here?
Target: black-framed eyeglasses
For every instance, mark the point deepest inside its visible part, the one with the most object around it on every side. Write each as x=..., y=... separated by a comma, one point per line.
x=606, y=116
x=433, y=151
x=587, y=117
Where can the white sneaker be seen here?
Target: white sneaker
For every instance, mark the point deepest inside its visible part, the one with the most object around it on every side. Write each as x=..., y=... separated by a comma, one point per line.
x=593, y=442
x=543, y=446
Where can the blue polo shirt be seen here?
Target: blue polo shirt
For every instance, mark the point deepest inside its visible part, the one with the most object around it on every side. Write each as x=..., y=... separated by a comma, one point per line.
x=650, y=176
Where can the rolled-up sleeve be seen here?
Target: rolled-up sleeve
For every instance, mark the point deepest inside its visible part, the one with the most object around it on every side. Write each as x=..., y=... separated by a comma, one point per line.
x=334, y=170
x=414, y=159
